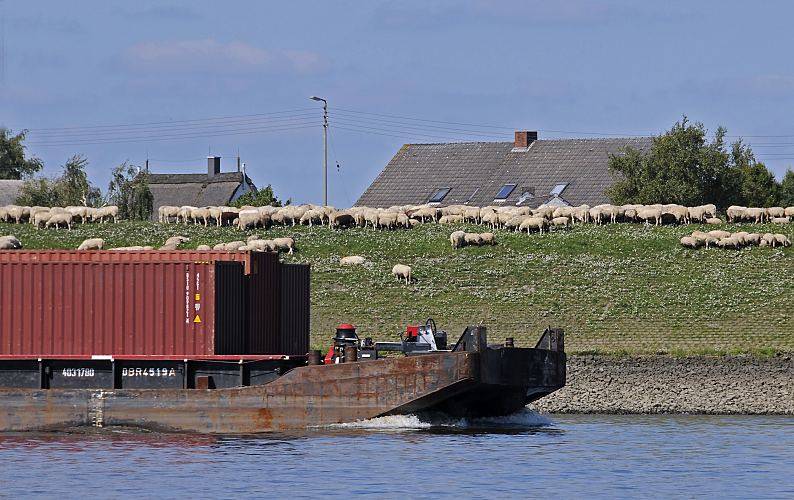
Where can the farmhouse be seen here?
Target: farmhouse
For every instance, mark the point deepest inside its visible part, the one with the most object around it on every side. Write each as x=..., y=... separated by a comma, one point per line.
x=526, y=172
x=215, y=188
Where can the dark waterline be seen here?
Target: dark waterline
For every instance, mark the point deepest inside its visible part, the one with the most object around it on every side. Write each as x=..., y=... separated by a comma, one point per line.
x=566, y=456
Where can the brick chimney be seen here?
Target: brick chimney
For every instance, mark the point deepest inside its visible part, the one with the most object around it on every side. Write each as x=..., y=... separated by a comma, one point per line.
x=524, y=138
x=213, y=166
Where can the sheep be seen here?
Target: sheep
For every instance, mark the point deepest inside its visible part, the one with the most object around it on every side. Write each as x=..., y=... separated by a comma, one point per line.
x=345, y=219
x=689, y=241
x=710, y=210
x=203, y=248
x=248, y=219
x=714, y=220
x=719, y=234
x=779, y=220
x=202, y=214
x=533, y=223
x=252, y=238
x=768, y=239
x=40, y=218
x=782, y=239
x=735, y=213
x=352, y=260
x=18, y=213
x=285, y=244
x=10, y=242
x=704, y=238
x=730, y=242
x=111, y=212
x=560, y=221
x=581, y=214
x=173, y=242
x=471, y=214
x=648, y=213
x=451, y=219
x=262, y=245
x=401, y=271
x=92, y=244
x=789, y=212
x=680, y=214
x=165, y=213
x=81, y=212
x=775, y=212
x=758, y=214
x=487, y=239
x=58, y=219
x=233, y=245
x=457, y=239
x=4, y=214
x=696, y=213
x=472, y=239
x=388, y=220
x=753, y=239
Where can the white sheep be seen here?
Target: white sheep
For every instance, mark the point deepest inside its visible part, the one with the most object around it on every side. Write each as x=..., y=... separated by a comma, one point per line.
x=735, y=213
x=472, y=239
x=561, y=221
x=487, y=239
x=714, y=220
x=457, y=239
x=203, y=248
x=401, y=271
x=691, y=242
x=352, y=260
x=782, y=239
x=650, y=213
x=58, y=219
x=287, y=244
x=111, y=212
x=779, y=220
x=165, y=213
x=92, y=244
x=10, y=242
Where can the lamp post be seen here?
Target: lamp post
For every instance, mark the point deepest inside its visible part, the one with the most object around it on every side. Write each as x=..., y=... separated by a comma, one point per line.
x=325, y=147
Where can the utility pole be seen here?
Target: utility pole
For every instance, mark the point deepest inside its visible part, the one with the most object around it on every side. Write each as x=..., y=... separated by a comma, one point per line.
x=325, y=147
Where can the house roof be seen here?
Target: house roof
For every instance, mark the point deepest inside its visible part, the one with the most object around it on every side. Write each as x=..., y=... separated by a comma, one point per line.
x=476, y=172
x=198, y=190
x=9, y=190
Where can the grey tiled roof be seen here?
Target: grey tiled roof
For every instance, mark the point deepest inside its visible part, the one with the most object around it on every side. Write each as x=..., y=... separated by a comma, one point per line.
x=9, y=190
x=477, y=171
x=196, y=190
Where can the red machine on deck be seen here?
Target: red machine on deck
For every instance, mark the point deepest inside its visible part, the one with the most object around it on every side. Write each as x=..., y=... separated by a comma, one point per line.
x=418, y=338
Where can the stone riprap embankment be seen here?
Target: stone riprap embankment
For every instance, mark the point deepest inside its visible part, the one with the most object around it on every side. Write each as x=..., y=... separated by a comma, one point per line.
x=666, y=384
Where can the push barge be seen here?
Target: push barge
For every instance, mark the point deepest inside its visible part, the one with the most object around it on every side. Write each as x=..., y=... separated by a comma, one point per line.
x=61, y=369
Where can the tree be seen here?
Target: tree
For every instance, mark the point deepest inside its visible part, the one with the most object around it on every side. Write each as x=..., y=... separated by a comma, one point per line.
x=758, y=187
x=129, y=190
x=260, y=198
x=13, y=164
x=72, y=188
x=787, y=189
x=683, y=167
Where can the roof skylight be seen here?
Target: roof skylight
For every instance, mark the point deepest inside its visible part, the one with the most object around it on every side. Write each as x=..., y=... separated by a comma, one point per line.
x=439, y=195
x=505, y=191
x=558, y=189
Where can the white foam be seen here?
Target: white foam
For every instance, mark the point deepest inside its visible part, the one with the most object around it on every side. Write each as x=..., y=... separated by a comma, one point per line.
x=524, y=418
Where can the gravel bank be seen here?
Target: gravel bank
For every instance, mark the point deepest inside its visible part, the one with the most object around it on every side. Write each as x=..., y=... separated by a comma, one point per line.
x=664, y=384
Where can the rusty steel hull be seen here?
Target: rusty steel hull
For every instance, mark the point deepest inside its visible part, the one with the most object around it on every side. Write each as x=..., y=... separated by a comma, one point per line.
x=491, y=382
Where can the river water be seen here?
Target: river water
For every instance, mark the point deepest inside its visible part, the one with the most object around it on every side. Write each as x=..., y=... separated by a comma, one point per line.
x=522, y=456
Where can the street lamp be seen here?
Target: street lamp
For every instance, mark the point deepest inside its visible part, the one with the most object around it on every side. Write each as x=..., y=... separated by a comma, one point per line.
x=325, y=147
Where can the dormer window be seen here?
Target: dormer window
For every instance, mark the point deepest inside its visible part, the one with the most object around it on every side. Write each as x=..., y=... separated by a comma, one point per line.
x=439, y=195
x=503, y=193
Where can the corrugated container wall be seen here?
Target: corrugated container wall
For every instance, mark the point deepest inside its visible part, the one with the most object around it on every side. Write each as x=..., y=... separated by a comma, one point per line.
x=135, y=308
x=295, y=307
x=249, y=259
x=263, y=311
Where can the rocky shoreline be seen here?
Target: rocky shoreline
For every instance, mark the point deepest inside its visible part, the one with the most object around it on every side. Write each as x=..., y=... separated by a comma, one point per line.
x=664, y=384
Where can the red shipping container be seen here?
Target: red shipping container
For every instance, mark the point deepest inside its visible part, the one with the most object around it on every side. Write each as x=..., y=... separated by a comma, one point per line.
x=129, y=308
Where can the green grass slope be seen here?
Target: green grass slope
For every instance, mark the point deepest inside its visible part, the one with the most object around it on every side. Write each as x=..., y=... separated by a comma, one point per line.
x=617, y=288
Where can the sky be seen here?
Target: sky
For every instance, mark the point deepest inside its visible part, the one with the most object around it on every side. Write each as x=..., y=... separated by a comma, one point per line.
x=176, y=81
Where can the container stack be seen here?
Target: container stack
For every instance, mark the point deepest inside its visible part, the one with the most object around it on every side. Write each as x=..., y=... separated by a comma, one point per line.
x=105, y=303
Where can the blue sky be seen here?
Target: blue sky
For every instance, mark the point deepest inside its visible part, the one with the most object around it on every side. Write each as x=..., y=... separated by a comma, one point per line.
x=107, y=79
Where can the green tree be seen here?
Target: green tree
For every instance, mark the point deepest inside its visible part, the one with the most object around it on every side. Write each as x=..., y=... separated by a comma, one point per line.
x=681, y=166
x=759, y=187
x=129, y=190
x=260, y=198
x=40, y=192
x=787, y=189
x=72, y=188
x=13, y=163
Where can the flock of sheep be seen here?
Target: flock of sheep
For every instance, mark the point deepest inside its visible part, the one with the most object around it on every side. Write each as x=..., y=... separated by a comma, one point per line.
x=57, y=216
x=725, y=239
x=517, y=219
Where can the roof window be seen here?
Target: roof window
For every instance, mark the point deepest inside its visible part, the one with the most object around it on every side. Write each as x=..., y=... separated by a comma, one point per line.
x=504, y=192
x=439, y=195
x=558, y=189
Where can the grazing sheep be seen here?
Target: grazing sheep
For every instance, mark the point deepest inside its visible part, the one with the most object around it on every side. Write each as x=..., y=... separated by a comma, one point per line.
x=202, y=214
x=178, y=240
x=457, y=239
x=689, y=241
x=768, y=239
x=473, y=239
x=779, y=220
x=92, y=244
x=696, y=214
x=111, y=212
x=401, y=271
x=10, y=242
x=252, y=238
x=287, y=244
x=562, y=221
x=58, y=219
x=714, y=220
x=248, y=219
x=719, y=234
x=649, y=213
x=234, y=245
x=730, y=242
x=352, y=260
x=772, y=212
x=165, y=213
x=450, y=219
x=533, y=223
x=735, y=213
x=710, y=210
x=782, y=239
x=203, y=248
x=40, y=218
x=262, y=245
x=753, y=239
x=789, y=212
x=758, y=215
x=487, y=239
